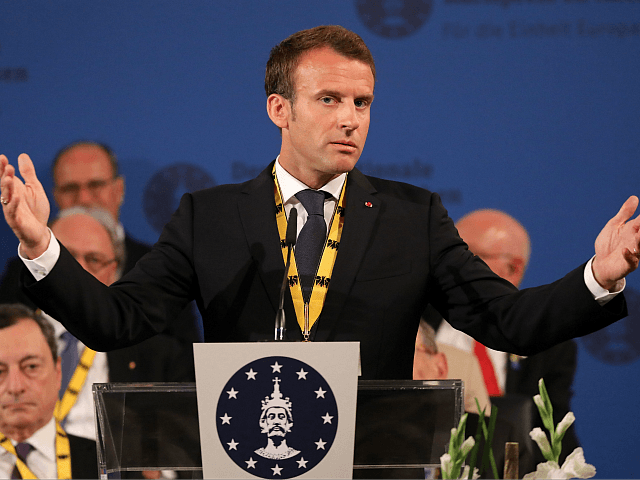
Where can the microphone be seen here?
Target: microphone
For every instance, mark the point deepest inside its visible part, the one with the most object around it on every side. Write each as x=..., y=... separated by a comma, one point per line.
x=290, y=241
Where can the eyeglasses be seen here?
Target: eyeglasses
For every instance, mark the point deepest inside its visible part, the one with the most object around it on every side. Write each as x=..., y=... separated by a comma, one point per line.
x=492, y=256
x=507, y=258
x=94, y=187
x=95, y=263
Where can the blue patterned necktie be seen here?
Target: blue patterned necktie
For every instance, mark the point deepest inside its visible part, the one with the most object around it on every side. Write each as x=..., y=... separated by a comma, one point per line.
x=22, y=450
x=311, y=239
x=69, y=358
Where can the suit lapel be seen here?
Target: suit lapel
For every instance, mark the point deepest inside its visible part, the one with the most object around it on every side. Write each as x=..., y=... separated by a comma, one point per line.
x=361, y=212
x=258, y=216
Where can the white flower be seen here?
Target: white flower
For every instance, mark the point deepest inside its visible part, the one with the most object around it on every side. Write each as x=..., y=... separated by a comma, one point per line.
x=546, y=470
x=537, y=399
x=445, y=464
x=566, y=422
x=465, y=473
x=466, y=446
x=576, y=466
x=538, y=436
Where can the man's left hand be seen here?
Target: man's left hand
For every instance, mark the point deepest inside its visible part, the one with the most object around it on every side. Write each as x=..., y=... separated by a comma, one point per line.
x=618, y=247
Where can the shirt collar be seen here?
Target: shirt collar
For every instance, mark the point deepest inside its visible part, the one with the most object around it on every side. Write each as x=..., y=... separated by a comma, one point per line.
x=43, y=440
x=290, y=185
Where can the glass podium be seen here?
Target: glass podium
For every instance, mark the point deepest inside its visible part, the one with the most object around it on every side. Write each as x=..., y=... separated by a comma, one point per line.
x=150, y=429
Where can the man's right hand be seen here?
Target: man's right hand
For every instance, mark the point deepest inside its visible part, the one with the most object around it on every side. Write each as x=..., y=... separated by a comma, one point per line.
x=25, y=206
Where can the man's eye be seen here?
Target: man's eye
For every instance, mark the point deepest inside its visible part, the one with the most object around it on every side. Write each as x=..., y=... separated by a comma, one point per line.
x=96, y=184
x=68, y=189
x=31, y=368
x=327, y=100
x=361, y=103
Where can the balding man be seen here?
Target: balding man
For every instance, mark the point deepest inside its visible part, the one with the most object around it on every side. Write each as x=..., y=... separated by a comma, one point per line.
x=504, y=245
x=86, y=174
x=91, y=237
x=500, y=240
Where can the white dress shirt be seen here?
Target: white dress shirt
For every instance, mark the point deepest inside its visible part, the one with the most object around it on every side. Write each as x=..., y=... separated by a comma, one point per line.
x=81, y=418
x=42, y=458
x=290, y=185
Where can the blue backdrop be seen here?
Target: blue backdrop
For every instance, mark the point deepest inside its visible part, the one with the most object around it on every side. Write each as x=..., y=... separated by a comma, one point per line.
x=528, y=106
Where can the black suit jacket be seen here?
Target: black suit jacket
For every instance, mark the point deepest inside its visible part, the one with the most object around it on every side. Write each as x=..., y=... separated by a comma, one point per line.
x=10, y=291
x=84, y=458
x=399, y=251
x=159, y=359
x=187, y=332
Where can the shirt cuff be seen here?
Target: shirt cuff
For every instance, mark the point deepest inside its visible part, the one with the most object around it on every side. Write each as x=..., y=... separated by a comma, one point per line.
x=41, y=266
x=601, y=295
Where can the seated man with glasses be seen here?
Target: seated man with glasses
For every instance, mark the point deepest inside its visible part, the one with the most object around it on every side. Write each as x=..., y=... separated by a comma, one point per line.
x=86, y=174
x=90, y=235
x=504, y=245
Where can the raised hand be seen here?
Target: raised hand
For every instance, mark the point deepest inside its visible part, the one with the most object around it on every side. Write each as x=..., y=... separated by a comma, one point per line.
x=25, y=205
x=618, y=247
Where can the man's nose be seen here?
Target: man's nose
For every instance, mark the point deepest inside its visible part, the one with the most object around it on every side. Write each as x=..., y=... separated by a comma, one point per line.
x=85, y=197
x=349, y=119
x=15, y=381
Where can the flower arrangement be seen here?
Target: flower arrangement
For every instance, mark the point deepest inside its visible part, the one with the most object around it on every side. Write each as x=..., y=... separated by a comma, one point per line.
x=575, y=465
x=451, y=462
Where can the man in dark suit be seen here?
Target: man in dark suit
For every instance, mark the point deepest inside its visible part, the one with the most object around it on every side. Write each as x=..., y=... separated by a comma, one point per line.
x=390, y=249
x=90, y=234
x=30, y=376
x=85, y=173
x=504, y=245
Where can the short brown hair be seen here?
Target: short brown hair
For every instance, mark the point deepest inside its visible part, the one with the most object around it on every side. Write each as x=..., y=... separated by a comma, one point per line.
x=286, y=55
x=12, y=313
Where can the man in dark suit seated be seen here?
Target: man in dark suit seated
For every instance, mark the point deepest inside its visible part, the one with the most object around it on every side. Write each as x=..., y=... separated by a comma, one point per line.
x=503, y=244
x=371, y=253
x=85, y=173
x=432, y=364
x=31, y=441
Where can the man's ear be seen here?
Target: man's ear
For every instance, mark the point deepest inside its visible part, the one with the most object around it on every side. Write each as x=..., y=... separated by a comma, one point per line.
x=120, y=188
x=517, y=267
x=279, y=110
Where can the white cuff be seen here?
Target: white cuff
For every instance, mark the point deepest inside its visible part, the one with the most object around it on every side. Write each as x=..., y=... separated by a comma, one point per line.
x=601, y=295
x=41, y=266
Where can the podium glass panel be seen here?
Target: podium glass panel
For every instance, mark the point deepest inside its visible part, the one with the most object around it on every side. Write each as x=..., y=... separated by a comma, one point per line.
x=147, y=427
x=402, y=428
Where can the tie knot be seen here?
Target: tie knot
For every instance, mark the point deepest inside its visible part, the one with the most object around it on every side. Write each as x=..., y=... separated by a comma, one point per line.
x=23, y=449
x=312, y=201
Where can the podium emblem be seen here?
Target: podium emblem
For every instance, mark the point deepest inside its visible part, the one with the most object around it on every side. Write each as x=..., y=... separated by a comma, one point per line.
x=276, y=417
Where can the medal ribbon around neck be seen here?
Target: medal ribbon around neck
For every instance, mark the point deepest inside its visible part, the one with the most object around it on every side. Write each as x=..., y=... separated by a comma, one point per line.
x=63, y=455
x=328, y=258
x=76, y=383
